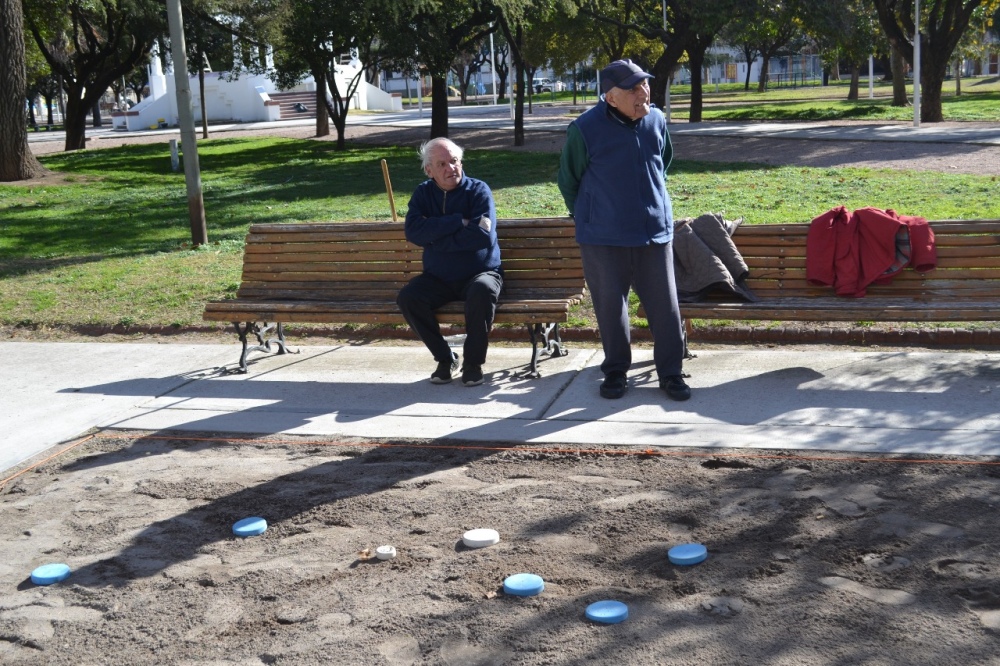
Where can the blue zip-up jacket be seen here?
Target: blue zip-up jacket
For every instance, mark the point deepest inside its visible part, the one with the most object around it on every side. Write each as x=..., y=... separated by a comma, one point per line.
x=612, y=176
x=454, y=251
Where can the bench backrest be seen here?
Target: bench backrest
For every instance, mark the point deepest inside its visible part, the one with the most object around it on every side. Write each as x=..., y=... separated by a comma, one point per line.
x=358, y=261
x=968, y=263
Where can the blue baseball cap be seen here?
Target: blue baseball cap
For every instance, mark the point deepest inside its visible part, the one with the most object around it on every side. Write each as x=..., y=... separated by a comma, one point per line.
x=622, y=74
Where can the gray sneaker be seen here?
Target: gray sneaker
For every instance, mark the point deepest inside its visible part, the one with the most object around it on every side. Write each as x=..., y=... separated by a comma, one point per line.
x=444, y=370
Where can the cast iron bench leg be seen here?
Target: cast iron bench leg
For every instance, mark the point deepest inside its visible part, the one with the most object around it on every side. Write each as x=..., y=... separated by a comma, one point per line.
x=685, y=331
x=260, y=330
x=552, y=346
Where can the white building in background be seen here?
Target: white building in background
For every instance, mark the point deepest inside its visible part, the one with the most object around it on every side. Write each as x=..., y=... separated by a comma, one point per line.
x=242, y=100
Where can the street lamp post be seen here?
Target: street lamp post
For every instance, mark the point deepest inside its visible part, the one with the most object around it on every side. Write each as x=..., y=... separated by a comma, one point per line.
x=185, y=113
x=916, y=63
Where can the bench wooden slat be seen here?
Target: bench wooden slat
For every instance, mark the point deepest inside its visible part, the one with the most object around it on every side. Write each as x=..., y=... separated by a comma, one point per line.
x=965, y=286
x=351, y=255
x=339, y=267
x=340, y=273
x=519, y=318
x=865, y=309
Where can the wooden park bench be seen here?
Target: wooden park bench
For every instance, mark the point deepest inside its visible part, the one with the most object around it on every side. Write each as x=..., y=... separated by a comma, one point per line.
x=350, y=273
x=965, y=285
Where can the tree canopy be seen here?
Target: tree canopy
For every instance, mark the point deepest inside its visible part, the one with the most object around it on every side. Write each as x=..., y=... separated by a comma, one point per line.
x=942, y=24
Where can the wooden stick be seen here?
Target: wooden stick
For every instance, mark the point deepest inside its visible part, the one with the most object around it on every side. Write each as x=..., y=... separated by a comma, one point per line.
x=388, y=189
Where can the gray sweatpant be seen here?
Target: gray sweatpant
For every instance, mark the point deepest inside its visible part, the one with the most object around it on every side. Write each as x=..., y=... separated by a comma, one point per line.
x=610, y=272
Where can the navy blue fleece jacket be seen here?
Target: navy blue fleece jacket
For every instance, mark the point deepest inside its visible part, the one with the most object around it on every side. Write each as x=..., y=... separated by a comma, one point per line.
x=446, y=225
x=612, y=175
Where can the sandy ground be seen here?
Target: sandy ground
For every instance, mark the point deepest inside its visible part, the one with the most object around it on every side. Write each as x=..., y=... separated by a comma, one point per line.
x=813, y=559
x=816, y=559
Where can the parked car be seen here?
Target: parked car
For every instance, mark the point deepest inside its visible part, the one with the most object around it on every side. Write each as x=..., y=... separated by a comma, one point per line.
x=547, y=85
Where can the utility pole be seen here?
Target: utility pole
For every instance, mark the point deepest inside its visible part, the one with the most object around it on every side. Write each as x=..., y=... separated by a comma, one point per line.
x=185, y=112
x=666, y=102
x=916, y=63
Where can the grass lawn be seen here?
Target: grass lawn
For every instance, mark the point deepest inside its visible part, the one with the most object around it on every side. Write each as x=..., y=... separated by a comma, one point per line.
x=111, y=245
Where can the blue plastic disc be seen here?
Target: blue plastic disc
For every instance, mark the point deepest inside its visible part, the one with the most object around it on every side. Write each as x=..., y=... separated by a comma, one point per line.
x=523, y=585
x=607, y=612
x=687, y=554
x=49, y=573
x=249, y=527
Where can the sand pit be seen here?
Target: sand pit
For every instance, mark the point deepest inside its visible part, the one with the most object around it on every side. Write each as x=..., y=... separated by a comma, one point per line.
x=812, y=558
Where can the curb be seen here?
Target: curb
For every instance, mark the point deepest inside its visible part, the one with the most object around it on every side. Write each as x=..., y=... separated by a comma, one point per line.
x=793, y=335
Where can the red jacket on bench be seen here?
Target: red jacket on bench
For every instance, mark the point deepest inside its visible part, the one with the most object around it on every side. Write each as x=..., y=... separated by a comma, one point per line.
x=852, y=251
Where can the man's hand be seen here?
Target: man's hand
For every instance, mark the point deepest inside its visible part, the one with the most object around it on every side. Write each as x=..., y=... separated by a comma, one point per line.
x=485, y=223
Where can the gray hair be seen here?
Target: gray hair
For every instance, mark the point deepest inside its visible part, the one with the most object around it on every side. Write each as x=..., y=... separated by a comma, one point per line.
x=427, y=147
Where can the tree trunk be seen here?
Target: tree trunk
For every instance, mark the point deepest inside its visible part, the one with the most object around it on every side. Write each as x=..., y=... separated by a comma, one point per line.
x=958, y=77
x=883, y=62
x=75, y=121
x=852, y=93
x=662, y=71
x=898, y=78
x=96, y=110
x=933, y=68
x=16, y=159
x=696, y=60
x=339, y=122
x=519, y=99
x=930, y=96
x=762, y=83
x=439, y=107
x=322, y=115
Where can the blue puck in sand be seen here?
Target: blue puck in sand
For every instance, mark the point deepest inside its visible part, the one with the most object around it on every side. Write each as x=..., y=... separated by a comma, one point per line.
x=249, y=527
x=523, y=585
x=607, y=612
x=687, y=554
x=49, y=573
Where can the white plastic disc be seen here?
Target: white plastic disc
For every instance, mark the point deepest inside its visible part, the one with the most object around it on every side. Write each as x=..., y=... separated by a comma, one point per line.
x=385, y=552
x=480, y=538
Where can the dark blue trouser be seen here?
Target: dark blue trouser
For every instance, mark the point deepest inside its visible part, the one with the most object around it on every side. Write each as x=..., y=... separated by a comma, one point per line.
x=610, y=272
x=425, y=293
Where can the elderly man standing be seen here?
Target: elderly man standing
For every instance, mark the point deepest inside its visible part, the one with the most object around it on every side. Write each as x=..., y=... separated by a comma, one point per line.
x=453, y=218
x=612, y=175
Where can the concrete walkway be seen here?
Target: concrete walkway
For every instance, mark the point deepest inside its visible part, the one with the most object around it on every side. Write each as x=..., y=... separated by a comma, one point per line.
x=848, y=401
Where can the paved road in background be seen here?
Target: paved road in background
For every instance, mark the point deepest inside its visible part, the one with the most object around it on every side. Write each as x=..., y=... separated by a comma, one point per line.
x=555, y=118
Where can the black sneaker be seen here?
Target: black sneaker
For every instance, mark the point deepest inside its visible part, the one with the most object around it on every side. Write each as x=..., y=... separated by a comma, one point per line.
x=472, y=375
x=444, y=370
x=675, y=387
x=614, y=386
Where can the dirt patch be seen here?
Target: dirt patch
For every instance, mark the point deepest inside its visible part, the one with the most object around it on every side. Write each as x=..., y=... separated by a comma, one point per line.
x=812, y=558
